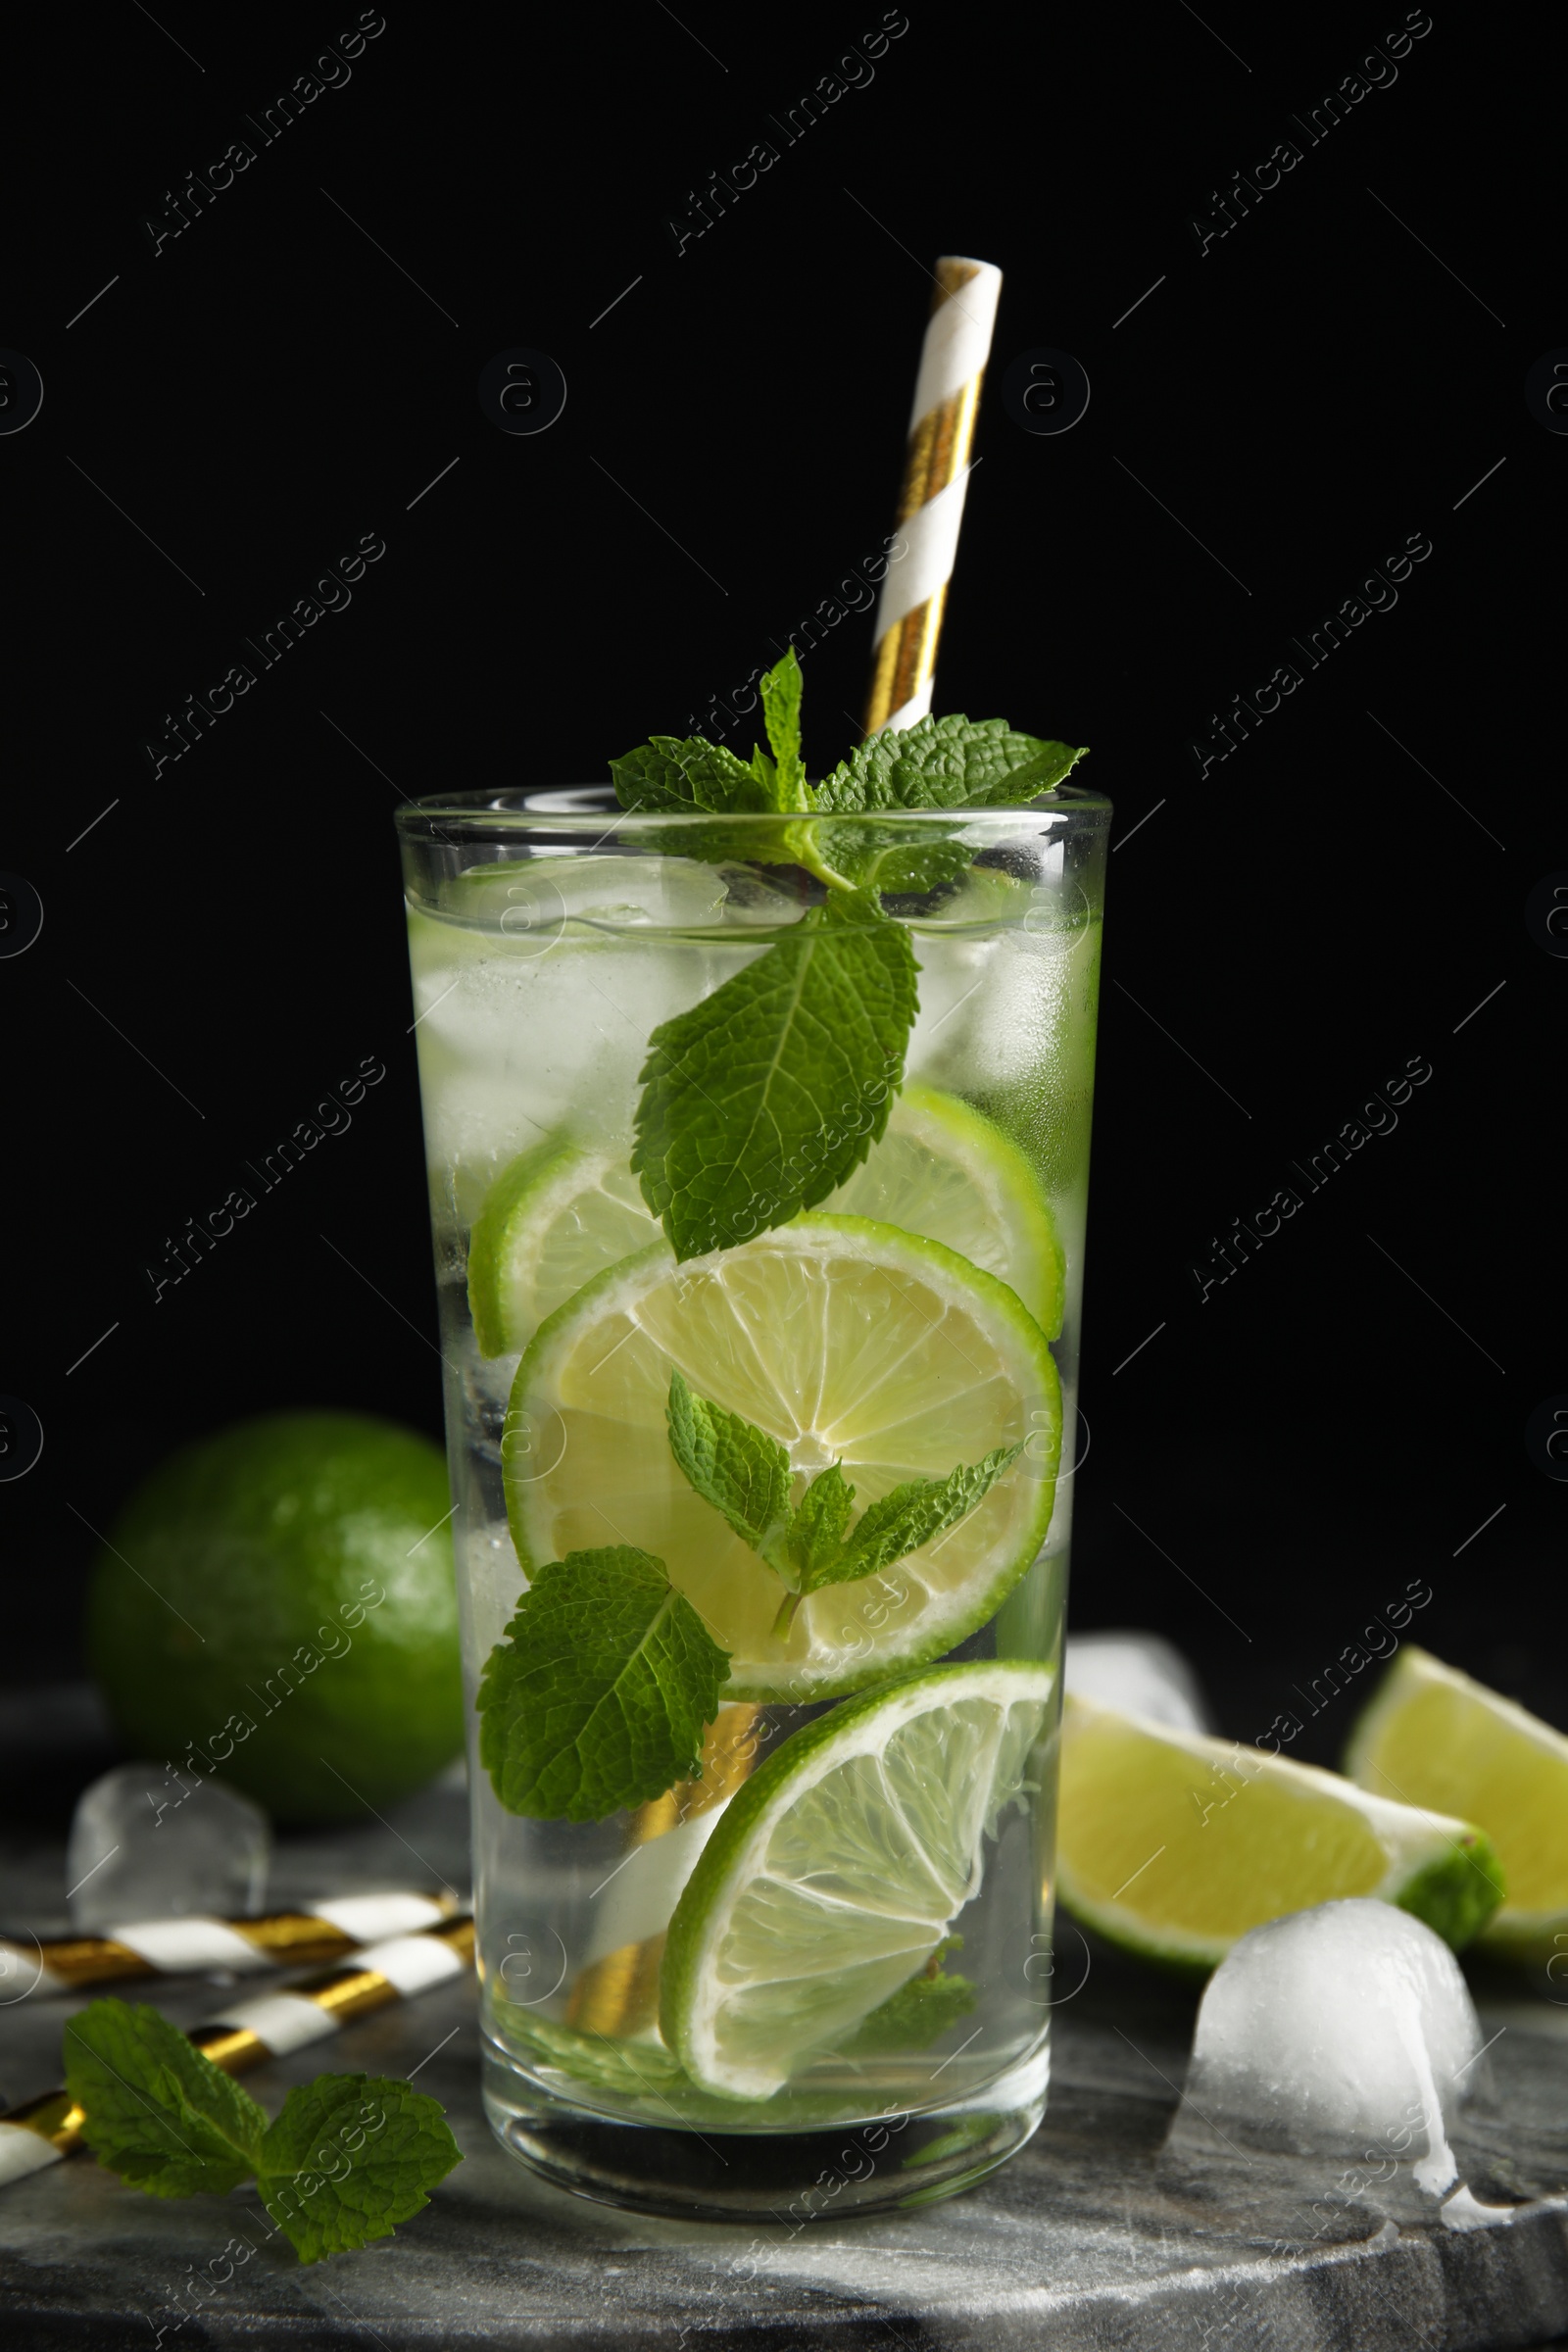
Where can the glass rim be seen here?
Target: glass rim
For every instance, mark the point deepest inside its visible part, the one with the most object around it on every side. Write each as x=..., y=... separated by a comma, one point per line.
x=568, y=806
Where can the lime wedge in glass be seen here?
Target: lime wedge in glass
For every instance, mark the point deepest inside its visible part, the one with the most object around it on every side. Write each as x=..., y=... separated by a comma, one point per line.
x=567, y=1209
x=848, y=1341
x=1430, y=1736
x=1173, y=1845
x=840, y=1868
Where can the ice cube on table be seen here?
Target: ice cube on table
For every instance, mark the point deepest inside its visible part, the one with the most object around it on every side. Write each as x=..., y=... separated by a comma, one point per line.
x=1346, y=2029
x=149, y=1842
x=1137, y=1674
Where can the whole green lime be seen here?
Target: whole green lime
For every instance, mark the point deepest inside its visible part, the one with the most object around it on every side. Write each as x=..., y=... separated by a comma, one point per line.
x=276, y=1604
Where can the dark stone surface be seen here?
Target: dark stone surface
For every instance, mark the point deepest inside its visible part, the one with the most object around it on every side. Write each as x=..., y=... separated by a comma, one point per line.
x=1090, y=2239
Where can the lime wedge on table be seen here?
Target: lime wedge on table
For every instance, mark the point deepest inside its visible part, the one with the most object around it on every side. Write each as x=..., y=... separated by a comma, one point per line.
x=566, y=1208
x=1432, y=1737
x=1174, y=1844
x=839, y=1869
x=848, y=1341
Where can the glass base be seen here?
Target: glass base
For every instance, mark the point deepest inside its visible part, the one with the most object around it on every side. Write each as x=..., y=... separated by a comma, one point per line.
x=876, y=2164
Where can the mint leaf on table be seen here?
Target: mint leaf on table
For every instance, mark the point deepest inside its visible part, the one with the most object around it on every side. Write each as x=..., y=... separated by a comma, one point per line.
x=953, y=763
x=759, y=1101
x=350, y=2157
x=158, y=2113
x=741, y=1471
x=598, y=1694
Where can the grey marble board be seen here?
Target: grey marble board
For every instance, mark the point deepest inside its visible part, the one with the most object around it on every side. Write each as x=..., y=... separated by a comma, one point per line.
x=1089, y=2238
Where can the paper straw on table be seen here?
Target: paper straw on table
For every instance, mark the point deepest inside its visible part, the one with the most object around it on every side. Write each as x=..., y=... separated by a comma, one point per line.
x=173, y=1947
x=617, y=1991
x=936, y=475
x=271, y=2025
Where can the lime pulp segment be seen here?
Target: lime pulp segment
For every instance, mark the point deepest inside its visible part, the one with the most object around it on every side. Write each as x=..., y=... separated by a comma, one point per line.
x=840, y=1868
x=846, y=1340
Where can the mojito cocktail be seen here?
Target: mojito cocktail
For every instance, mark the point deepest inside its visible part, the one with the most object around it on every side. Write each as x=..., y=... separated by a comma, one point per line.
x=758, y=1126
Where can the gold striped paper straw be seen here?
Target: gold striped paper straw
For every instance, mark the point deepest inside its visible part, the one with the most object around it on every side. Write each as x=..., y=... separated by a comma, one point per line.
x=617, y=1991
x=173, y=1947
x=936, y=474
x=41, y=2131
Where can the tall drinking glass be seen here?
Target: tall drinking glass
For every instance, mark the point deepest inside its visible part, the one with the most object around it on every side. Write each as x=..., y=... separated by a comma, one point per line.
x=810, y=1971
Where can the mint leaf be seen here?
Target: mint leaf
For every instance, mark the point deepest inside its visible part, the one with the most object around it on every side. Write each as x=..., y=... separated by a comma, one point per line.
x=781, y=714
x=816, y=1530
x=909, y=869
x=911, y=1515
x=953, y=763
x=669, y=776
x=912, y=2018
x=740, y=1470
x=347, y=2159
x=672, y=774
x=158, y=2113
x=349, y=2156
x=645, y=2066
x=760, y=1099
x=598, y=1694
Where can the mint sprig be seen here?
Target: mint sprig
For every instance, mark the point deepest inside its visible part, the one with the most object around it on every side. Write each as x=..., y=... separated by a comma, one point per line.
x=598, y=1694
x=745, y=1474
x=759, y=1101
x=348, y=2157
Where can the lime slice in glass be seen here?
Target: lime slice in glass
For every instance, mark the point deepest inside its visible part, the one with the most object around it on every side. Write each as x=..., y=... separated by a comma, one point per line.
x=943, y=1170
x=550, y=1221
x=848, y=1341
x=840, y=1868
x=565, y=1209
x=1430, y=1736
x=1173, y=1845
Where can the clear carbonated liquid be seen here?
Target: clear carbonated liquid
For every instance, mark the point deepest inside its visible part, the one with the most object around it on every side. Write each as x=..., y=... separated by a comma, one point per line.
x=536, y=988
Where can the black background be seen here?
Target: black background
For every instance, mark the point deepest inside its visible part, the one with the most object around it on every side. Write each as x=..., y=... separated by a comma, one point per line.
x=1282, y=936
